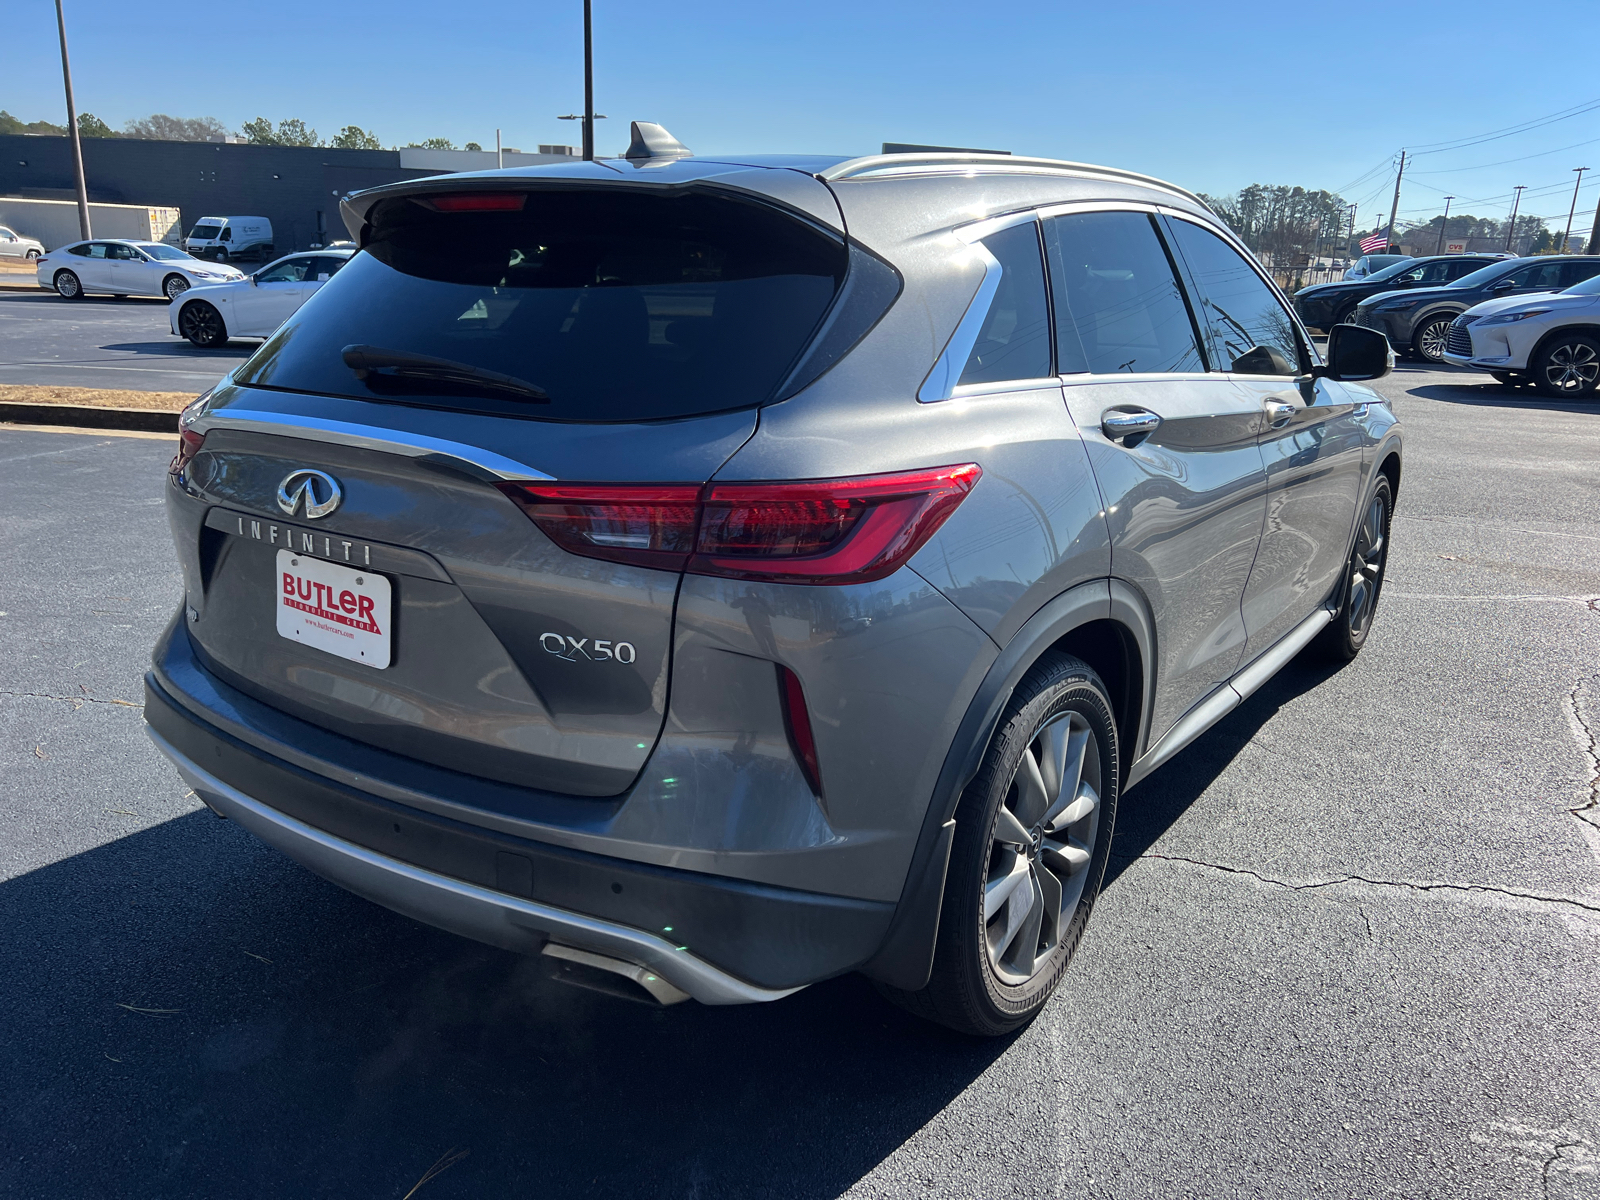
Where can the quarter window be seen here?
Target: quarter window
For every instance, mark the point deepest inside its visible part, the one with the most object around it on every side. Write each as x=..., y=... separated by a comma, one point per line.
x=1014, y=342
x=1240, y=312
x=1118, y=305
x=1576, y=271
x=1540, y=275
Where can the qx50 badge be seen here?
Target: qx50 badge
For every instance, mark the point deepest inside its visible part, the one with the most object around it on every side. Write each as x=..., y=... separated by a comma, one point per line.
x=318, y=489
x=574, y=649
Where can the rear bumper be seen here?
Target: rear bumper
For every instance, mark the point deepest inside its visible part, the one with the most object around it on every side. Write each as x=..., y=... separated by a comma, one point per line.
x=722, y=941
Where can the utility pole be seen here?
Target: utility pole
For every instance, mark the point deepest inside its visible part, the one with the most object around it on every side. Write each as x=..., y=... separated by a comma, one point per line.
x=588, y=83
x=1567, y=236
x=1352, y=236
x=72, y=130
x=1594, y=234
x=1394, y=209
x=499, y=154
x=1439, y=249
x=1516, y=202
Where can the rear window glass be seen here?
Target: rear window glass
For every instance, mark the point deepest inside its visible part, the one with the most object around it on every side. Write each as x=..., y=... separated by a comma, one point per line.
x=616, y=306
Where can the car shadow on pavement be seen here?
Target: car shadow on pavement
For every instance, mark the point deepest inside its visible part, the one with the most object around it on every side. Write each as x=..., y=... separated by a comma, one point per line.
x=188, y=1013
x=1157, y=803
x=1496, y=395
x=179, y=348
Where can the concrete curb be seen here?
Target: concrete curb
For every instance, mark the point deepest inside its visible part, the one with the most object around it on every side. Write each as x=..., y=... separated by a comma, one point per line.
x=140, y=420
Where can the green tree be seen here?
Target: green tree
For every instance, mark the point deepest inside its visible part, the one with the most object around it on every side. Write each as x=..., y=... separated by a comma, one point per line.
x=290, y=132
x=160, y=127
x=353, y=137
x=473, y=146
x=432, y=144
x=13, y=125
x=90, y=125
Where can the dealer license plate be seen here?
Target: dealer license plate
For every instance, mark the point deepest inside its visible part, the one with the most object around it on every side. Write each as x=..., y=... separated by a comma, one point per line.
x=335, y=609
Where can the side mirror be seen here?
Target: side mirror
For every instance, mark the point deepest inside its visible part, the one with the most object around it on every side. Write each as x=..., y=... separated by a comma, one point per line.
x=1505, y=285
x=1355, y=354
x=1263, y=360
x=254, y=282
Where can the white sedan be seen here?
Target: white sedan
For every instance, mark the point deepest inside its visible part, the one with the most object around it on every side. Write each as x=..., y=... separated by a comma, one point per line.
x=1551, y=341
x=126, y=268
x=253, y=305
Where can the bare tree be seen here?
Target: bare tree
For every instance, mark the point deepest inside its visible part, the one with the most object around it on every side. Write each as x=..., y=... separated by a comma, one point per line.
x=1283, y=225
x=160, y=127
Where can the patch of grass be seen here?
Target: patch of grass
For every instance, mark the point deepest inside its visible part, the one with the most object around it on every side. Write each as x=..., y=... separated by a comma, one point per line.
x=31, y=393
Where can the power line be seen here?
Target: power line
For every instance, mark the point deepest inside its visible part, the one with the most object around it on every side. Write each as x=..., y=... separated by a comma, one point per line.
x=1504, y=161
x=1526, y=126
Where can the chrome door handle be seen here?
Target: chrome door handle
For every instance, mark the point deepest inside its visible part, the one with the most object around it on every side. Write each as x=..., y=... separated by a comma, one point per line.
x=1120, y=423
x=1278, y=413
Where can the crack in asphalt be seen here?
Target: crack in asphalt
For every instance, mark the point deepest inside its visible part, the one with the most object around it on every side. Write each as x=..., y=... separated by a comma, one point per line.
x=1561, y=901
x=1555, y=1157
x=1591, y=751
x=84, y=699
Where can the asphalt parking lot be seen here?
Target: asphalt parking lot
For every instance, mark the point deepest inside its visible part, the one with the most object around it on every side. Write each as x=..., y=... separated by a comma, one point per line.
x=104, y=343
x=1349, y=945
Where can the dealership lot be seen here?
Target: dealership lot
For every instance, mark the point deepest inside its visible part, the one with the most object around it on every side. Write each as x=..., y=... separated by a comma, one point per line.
x=1348, y=945
x=99, y=342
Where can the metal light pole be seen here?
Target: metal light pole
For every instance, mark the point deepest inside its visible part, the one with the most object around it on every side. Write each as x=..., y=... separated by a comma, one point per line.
x=1439, y=249
x=1567, y=236
x=72, y=129
x=588, y=84
x=499, y=153
x=1511, y=227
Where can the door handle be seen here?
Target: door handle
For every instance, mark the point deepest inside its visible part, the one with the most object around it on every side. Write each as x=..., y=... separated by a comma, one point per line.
x=1118, y=423
x=1278, y=413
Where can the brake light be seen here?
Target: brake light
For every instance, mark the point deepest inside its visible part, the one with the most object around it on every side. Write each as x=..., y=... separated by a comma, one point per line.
x=822, y=531
x=797, y=720
x=477, y=202
x=189, y=442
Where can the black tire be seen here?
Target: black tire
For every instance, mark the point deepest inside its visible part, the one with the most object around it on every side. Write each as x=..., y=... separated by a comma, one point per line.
x=1347, y=317
x=1428, y=339
x=174, y=286
x=222, y=254
x=974, y=988
x=1567, y=367
x=203, y=325
x=68, y=285
x=1363, y=579
x=33, y=256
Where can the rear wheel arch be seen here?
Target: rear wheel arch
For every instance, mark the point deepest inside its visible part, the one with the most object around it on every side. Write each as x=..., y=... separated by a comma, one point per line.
x=1390, y=467
x=1105, y=623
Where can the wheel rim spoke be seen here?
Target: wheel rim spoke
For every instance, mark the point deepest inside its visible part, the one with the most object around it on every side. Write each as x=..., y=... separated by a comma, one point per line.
x=1073, y=811
x=1010, y=830
x=1033, y=797
x=998, y=893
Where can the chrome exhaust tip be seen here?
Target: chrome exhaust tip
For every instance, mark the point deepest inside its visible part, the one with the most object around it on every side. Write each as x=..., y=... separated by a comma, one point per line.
x=601, y=973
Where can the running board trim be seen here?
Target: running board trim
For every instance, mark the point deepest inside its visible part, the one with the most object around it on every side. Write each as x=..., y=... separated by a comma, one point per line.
x=369, y=437
x=523, y=926
x=1229, y=696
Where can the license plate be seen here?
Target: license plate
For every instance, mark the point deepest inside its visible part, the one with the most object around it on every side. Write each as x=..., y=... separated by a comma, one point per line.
x=335, y=609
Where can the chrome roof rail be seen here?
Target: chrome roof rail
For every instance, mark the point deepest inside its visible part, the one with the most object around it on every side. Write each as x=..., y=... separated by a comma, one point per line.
x=878, y=166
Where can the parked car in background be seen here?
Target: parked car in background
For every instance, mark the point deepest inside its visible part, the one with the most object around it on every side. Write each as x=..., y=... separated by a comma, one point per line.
x=253, y=305
x=222, y=238
x=1550, y=341
x=121, y=269
x=16, y=246
x=774, y=572
x=1369, y=264
x=1324, y=305
x=1417, y=321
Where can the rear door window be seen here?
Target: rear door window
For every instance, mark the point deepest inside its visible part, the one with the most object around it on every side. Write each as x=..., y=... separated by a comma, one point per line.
x=617, y=305
x=1576, y=271
x=1118, y=306
x=1014, y=342
x=1240, y=313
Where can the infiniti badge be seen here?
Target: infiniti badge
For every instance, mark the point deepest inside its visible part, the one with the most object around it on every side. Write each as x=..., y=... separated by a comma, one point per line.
x=319, y=489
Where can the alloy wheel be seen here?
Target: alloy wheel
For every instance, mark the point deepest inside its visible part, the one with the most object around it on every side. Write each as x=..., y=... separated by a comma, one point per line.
x=67, y=284
x=1572, y=367
x=1366, y=566
x=176, y=286
x=200, y=323
x=1432, y=339
x=1041, y=848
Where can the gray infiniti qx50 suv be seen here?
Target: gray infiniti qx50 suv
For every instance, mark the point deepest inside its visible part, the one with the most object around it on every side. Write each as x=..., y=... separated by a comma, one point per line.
x=720, y=575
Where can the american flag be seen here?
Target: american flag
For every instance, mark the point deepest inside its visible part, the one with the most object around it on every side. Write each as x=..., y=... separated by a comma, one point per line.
x=1375, y=243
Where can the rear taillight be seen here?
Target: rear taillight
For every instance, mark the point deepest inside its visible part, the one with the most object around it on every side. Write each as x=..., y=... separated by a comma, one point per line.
x=189, y=442
x=455, y=202
x=823, y=531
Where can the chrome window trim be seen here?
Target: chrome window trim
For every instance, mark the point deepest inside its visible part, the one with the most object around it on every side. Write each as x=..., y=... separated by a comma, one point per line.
x=368, y=437
x=968, y=391
x=941, y=382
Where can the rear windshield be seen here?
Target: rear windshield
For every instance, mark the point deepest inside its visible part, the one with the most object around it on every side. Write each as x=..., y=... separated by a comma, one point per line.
x=617, y=306
x=205, y=231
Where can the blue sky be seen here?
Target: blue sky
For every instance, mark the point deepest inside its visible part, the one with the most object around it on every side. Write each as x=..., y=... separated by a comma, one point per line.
x=1212, y=96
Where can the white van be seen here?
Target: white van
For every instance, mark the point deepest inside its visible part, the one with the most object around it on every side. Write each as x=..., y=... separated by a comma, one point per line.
x=223, y=238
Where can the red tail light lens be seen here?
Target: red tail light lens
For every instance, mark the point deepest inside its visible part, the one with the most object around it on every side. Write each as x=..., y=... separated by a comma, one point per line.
x=477, y=202
x=797, y=720
x=189, y=442
x=826, y=531
x=649, y=525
